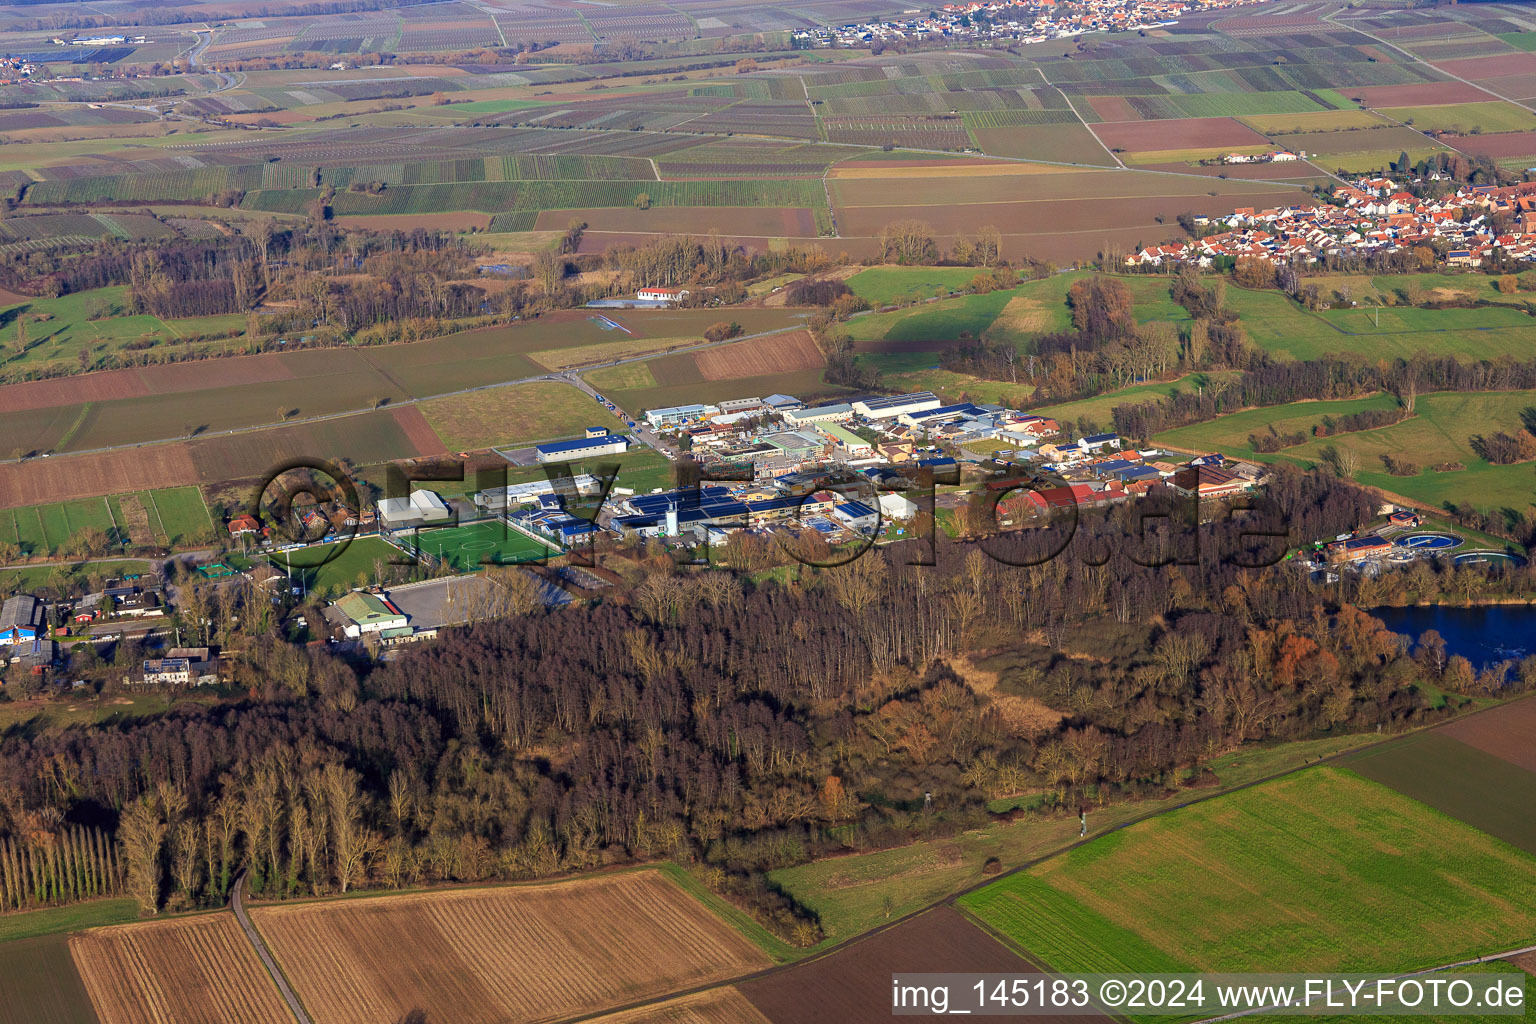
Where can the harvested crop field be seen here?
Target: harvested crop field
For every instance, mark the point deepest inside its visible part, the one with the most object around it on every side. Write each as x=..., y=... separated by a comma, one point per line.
x=1496, y=66
x=1114, y=108
x=1471, y=785
x=528, y=953
x=462, y=220
x=1501, y=144
x=853, y=984
x=943, y=169
x=717, y=1006
x=1063, y=143
x=733, y=220
x=778, y=353
x=40, y=481
x=1505, y=732
x=1179, y=133
x=1413, y=95
x=192, y=969
x=87, y=387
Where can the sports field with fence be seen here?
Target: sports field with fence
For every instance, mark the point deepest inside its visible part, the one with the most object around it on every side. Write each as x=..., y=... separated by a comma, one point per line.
x=468, y=547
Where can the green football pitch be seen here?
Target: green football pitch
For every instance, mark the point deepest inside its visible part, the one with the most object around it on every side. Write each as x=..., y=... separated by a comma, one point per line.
x=466, y=548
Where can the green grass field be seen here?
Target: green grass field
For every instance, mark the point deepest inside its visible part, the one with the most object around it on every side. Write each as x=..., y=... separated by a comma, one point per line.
x=1320, y=870
x=338, y=573
x=176, y=516
x=854, y=893
x=514, y=415
x=880, y=285
x=58, y=330
x=29, y=578
x=1100, y=408
x=1437, y=433
x=1283, y=328
x=1485, y=791
x=467, y=548
x=1488, y=116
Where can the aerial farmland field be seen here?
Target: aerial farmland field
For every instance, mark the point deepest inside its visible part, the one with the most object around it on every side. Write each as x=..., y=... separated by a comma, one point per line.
x=192, y=968
x=523, y=952
x=1340, y=859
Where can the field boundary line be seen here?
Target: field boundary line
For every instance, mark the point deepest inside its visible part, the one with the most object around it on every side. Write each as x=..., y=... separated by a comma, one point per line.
x=264, y=954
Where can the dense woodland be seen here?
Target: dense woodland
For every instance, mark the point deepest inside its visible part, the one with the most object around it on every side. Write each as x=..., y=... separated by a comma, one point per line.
x=732, y=725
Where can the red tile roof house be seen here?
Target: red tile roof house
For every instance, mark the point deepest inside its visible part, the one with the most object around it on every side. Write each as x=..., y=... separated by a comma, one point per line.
x=243, y=524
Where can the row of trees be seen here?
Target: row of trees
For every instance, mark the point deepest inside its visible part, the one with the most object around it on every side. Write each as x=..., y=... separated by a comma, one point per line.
x=735, y=725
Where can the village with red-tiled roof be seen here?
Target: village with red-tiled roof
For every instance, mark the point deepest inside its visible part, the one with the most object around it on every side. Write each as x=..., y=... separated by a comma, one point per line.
x=1367, y=217
x=1029, y=21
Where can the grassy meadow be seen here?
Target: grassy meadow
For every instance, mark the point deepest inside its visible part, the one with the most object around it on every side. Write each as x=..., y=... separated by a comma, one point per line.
x=1314, y=871
x=1438, y=433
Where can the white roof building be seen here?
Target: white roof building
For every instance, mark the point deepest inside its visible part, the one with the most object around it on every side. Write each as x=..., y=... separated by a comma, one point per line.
x=421, y=507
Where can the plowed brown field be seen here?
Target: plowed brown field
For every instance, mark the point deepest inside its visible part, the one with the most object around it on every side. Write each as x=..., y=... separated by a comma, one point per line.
x=524, y=953
x=1503, y=732
x=779, y=353
x=196, y=969
x=418, y=431
x=39, y=481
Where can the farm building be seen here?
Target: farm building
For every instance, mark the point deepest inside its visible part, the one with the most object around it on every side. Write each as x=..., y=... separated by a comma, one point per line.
x=22, y=620
x=360, y=612
x=421, y=507
x=896, y=405
x=840, y=413
x=583, y=447
x=667, y=295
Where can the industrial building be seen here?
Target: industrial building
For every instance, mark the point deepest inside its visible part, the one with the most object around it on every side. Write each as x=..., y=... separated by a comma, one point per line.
x=896, y=405
x=582, y=447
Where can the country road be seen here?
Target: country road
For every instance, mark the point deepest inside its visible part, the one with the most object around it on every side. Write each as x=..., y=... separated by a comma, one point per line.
x=237, y=904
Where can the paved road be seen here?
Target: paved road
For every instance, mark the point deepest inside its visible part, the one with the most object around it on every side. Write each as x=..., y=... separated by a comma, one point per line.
x=237, y=904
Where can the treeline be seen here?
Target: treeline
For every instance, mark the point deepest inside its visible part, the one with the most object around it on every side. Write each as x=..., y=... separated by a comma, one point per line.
x=739, y=727
x=1331, y=377
x=49, y=863
x=1366, y=419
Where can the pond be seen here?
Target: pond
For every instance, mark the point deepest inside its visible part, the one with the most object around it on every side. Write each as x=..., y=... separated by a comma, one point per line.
x=1483, y=635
